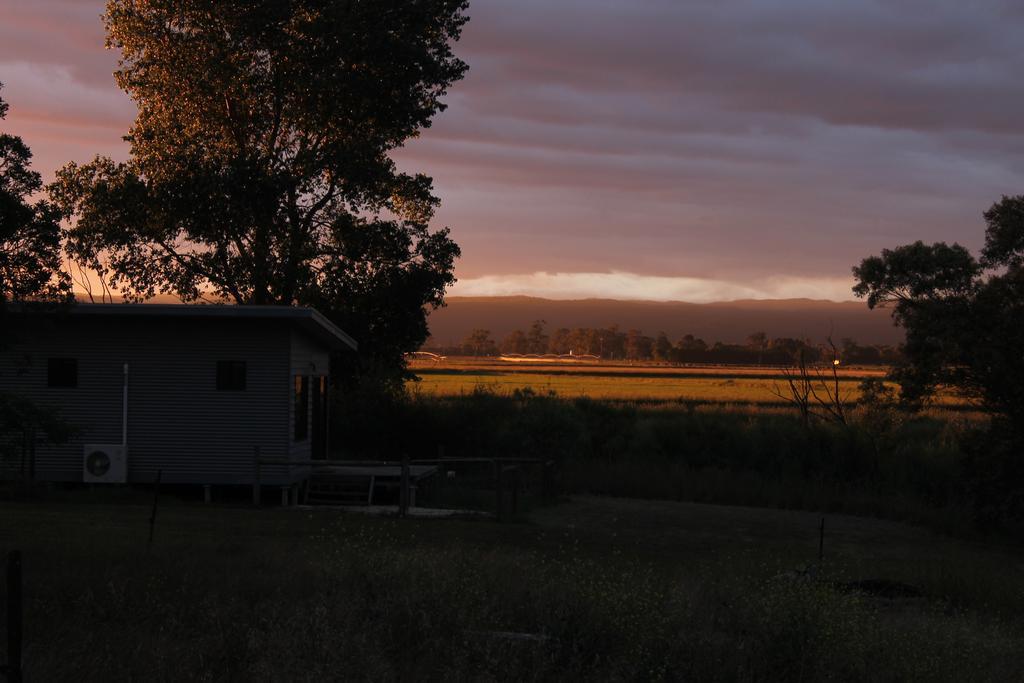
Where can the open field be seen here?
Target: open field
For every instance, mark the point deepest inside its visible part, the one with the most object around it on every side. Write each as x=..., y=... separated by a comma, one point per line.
x=601, y=588
x=624, y=381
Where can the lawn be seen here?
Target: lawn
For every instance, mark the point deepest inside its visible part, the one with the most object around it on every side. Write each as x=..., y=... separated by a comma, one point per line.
x=598, y=588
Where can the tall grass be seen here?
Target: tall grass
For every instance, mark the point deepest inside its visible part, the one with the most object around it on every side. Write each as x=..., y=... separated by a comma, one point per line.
x=350, y=600
x=905, y=469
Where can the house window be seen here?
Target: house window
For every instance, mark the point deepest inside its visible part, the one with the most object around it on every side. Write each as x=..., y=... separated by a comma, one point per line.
x=231, y=375
x=62, y=372
x=301, y=407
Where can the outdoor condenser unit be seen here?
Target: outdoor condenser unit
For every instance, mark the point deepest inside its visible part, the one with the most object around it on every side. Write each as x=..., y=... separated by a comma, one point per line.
x=108, y=463
x=105, y=463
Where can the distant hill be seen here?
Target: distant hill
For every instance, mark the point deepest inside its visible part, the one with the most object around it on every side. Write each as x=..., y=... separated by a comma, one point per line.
x=729, y=322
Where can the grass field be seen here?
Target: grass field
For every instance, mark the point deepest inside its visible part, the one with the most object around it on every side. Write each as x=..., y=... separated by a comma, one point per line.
x=603, y=589
x=623, y=381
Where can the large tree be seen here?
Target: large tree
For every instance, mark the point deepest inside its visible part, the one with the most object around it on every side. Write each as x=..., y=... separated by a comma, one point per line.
x=260, y=168
x=30, y=235
x=31, y=274
x=963, y=316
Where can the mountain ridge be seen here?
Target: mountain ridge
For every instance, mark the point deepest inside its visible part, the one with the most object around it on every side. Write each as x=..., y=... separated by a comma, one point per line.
x=725, y=321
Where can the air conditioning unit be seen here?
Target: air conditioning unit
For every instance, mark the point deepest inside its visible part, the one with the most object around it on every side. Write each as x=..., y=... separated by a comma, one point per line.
x=105, y=464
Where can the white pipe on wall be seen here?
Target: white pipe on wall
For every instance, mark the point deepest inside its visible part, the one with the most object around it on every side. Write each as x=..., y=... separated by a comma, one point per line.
x=124, y=409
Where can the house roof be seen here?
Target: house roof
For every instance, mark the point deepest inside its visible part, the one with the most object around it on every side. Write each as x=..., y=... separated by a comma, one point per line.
x=309, y=320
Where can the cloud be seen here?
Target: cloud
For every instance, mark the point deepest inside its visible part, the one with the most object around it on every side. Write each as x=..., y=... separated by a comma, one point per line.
x=62, y=33
x=751, y=138
x=731, y=141
x=621, y=285
x=912, y=64
x=50, y=94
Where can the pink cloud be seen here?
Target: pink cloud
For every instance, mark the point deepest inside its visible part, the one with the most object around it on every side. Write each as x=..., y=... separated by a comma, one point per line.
x=707, y=141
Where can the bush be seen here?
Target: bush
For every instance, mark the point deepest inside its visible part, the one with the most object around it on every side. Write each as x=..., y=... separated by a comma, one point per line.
x=885, y=462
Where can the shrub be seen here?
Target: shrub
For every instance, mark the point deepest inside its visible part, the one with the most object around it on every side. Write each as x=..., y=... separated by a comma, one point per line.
x=884, y=462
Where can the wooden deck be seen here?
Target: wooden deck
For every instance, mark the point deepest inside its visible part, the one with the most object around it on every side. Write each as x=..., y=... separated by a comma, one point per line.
x=357, y=484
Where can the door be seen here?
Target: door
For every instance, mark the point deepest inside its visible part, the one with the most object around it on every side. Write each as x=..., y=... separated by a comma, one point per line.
x=320, y=412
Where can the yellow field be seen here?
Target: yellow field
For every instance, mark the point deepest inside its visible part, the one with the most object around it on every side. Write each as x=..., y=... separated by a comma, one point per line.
x=621, y=381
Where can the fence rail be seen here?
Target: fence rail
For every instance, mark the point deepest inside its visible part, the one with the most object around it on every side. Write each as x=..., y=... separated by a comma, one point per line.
x=506, y=475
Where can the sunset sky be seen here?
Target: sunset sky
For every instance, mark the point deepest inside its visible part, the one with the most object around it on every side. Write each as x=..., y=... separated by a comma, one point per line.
x=664, y=149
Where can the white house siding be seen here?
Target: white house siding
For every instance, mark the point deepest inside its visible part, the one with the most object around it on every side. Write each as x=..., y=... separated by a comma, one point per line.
x=178, y=421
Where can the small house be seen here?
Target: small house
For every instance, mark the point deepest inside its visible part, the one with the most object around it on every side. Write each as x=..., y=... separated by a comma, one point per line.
x=194, y=392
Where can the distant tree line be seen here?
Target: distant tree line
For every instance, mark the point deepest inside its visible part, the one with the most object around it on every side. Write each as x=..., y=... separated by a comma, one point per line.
x=612, y=343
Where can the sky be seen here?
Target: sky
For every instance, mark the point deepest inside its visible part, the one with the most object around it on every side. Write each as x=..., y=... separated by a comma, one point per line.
x=696, y=150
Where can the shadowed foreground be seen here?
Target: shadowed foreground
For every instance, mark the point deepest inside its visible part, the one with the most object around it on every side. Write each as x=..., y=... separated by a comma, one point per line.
x=602, y=588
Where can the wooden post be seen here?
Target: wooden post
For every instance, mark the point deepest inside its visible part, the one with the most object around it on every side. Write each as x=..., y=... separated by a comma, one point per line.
x=442, y=473
x=515, y=490
x=547, y=485
x=32, y=458
x=14, y=618
x=23, y=467
x=403, y=492
x=207, y=493
x=256, y=475
x=497, y=490
x=152, y=515
x=821, y=541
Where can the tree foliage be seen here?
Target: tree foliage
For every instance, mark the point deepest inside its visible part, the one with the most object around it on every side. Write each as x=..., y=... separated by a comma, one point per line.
x=30, y=273
x=479, y=343
x=964, y=317
x=30, y=235
x=260, y=168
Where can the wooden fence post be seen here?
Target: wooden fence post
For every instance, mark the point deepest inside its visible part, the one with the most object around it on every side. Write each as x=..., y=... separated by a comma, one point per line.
x=23, y=465
x=256, y=476
x=403, y=493
x=821, y=541
x=152, y=516
x=515, y=490
x=442, y=473
x=32, y=458
x=547, y=485
x=14, y=618
x=497, y=490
